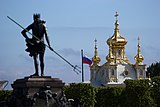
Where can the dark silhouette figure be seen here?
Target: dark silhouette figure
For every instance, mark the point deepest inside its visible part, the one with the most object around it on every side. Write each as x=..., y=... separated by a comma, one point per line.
x=36, y=46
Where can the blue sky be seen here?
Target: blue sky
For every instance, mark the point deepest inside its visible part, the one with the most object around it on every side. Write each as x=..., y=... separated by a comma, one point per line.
x=73, y=25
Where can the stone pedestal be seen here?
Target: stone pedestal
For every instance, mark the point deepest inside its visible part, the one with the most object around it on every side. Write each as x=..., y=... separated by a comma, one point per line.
x=37, y=91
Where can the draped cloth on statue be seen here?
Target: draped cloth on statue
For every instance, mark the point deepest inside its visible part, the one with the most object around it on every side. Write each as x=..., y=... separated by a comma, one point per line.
x=34, y=47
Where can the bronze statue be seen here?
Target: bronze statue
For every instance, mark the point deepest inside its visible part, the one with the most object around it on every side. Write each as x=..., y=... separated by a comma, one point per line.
x=36, y=45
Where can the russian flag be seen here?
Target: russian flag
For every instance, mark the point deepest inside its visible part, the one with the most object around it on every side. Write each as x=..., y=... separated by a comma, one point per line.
x=86, y=60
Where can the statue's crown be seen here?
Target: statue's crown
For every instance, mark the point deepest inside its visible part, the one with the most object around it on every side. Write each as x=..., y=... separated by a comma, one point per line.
x=36, y=16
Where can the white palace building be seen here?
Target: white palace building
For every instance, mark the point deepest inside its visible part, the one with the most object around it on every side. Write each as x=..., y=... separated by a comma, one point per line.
x=117, y=67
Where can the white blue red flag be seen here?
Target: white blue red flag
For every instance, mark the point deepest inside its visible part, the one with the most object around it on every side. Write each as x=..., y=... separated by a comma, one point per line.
x=86, y=60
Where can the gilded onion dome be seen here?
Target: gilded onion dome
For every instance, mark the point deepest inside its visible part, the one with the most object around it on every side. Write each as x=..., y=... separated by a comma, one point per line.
x=117, y=39
x=139, y=58
x=96, y=59
x=116, y=45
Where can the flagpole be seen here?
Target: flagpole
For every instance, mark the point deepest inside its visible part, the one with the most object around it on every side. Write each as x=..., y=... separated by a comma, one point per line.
x=82, y=65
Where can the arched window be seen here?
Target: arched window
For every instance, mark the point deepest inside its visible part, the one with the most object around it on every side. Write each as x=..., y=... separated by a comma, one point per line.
x=126, y=73
x=112, y=71
x=141, y=72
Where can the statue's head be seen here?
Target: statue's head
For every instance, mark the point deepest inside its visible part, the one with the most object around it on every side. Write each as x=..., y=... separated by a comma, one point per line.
x=36, y=17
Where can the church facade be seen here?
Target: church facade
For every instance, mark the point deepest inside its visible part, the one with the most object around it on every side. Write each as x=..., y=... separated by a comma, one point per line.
x=117, y=67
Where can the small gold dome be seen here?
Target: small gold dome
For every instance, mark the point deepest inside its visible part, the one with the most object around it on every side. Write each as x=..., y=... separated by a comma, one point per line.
x=96, y=59
x=139, y=58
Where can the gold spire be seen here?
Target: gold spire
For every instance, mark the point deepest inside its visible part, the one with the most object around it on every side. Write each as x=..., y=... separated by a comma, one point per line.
x=96, y=58
x=116, y=30
x=139, y=58
x=116, y=45
x=117, y=39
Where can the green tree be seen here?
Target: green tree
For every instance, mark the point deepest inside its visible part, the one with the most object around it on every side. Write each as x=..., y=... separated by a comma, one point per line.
x=155, y=90
x=137, y=94
x=154, y=69
x=4, y=95
x=108, y=96
x=81, y=92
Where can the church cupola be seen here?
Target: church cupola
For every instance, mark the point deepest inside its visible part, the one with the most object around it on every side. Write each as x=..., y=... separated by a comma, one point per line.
x=117, y=68
x=139, y=58
x=96, y=59
x=116, y=45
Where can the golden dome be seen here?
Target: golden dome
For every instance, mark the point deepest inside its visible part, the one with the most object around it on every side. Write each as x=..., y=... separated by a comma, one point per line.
x=139, y=58
x=116, y=45
x=96, y=59
x=117, y=39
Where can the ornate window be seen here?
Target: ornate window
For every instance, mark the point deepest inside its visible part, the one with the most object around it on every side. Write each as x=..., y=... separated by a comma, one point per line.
x=141, y=72
x=112, y=71
x=126, y=73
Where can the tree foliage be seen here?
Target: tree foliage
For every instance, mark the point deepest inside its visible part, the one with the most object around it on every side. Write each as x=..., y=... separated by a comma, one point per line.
x=108, y=96
x=137, y=94
x=4, y=95
x=154, y=69
x=81, y=92
x=155, y=90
